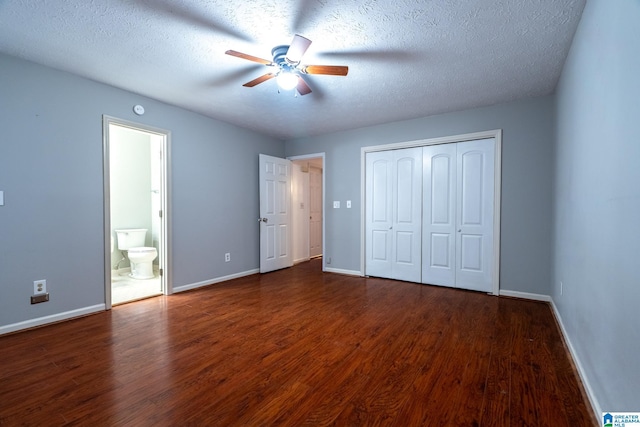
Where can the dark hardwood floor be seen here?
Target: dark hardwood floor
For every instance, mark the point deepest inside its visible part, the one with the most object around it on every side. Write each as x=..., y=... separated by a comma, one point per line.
x=297, y=347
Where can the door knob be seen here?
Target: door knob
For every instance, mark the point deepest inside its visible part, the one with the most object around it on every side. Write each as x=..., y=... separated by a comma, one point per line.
x=262, y=220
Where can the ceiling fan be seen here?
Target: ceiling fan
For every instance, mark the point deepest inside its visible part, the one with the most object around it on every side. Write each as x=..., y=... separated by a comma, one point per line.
x=286, y=66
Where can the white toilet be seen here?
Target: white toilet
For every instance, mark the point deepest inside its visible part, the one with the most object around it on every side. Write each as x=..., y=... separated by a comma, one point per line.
x=140, y=256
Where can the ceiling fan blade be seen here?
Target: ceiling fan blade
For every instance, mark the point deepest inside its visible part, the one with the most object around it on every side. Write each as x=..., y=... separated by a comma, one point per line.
x=302, y=87
x=259, y=80
x=331, y=70
x=249, y=57
x=297, y=48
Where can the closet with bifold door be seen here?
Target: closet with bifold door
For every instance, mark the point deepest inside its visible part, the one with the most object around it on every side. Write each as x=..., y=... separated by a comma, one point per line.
x=430, y=214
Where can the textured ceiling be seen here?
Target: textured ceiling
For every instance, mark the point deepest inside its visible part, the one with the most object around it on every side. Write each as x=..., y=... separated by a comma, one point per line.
x=406, y=58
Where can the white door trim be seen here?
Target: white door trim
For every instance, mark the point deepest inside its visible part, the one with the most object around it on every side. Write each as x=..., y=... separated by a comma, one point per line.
x=165, y=250
x=324, y=174
x=496, y=134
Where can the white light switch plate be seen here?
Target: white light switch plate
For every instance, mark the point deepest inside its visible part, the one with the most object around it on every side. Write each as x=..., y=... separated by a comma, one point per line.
x=1, y=198
x=336, y=205
x=348, y=204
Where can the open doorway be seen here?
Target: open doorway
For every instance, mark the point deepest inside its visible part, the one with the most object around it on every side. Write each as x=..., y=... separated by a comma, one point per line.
x=135, y=175
x=308, y=208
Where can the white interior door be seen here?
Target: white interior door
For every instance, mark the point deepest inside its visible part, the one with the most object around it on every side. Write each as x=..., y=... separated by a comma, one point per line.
x=379, y=214
x=475, y=201
x=315, y=211
x=407, y=227
x=275, y=213
x=393, y=214
x=439, y=215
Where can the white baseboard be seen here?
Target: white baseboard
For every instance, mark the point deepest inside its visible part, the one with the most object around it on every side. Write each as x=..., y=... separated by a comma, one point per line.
x=40, y=321
x=525, y=295
x=216, y=280
x=340, y=271
x=595, y=405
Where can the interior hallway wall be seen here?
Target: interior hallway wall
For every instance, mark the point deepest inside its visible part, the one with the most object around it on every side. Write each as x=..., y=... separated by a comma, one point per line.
x=300, y=212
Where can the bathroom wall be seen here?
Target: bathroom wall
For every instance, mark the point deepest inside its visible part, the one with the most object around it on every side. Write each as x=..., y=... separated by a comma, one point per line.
x=130, y=185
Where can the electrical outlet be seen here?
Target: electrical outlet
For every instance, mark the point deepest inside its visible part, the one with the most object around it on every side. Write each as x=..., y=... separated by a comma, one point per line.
x=336, y=205
x=39, y=287
x=227, y=257
x=328, y=260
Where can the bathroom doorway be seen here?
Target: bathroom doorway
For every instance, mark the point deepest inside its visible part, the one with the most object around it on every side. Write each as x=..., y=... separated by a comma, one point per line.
x=136, y=214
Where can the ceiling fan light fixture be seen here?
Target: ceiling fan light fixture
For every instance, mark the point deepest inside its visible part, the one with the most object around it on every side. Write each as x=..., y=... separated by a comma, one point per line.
x=286, y=68
x=287, y=80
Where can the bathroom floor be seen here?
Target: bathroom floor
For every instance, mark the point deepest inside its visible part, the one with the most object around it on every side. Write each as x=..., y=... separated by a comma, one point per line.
x=125, y=288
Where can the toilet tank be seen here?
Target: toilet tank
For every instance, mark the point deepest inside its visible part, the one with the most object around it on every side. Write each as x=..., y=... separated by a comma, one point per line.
x=131, y=238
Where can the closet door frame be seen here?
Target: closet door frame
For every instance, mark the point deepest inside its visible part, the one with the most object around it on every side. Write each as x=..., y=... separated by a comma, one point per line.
x=496, y=134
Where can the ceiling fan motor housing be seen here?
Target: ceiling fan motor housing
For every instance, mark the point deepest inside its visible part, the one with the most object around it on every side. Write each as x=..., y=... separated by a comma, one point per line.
x=279, y=54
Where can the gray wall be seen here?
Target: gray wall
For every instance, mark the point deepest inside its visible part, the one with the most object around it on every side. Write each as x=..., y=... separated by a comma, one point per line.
x=51, y=226
x=597, y=201
x=527, y=162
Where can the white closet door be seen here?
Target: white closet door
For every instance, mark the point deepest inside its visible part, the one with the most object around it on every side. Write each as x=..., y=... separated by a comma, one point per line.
x=379, y=213
x=474, y=200
x=407, y=227
x=394, y=211
x=439, y=215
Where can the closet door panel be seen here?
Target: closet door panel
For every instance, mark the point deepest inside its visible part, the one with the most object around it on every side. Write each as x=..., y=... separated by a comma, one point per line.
x=393, y=214
x=407, y=187
x=475, y=198
x=380, y=245
x=379, y=214
x=439, y=204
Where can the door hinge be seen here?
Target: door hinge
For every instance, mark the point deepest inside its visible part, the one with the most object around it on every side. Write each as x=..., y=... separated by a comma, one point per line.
x=160, y=214
x=161, y=272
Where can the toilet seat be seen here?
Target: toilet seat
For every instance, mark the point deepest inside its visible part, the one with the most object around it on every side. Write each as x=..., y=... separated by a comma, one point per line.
x=141, y=250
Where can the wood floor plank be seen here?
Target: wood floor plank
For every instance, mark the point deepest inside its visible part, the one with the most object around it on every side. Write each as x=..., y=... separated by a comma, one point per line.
x=496, y=400
x=473, y=384
x=444, y=354
x=297, y=347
